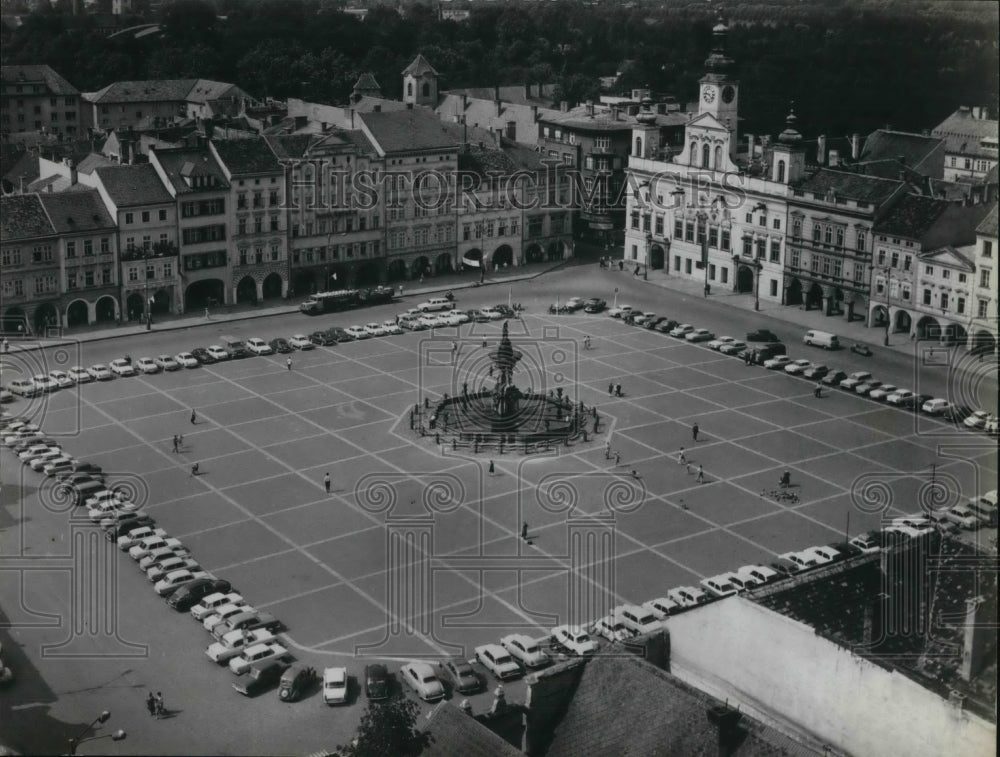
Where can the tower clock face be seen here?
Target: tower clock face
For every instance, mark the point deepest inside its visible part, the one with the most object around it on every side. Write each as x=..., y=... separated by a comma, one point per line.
x=728, y=93
x=708, y=95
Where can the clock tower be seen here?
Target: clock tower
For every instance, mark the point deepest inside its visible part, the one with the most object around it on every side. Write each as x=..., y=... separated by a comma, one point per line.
x=719, y=93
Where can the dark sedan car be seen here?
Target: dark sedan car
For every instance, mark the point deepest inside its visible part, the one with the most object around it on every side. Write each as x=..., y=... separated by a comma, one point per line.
x=280, y=345
x=261, y=677
x=295, y=681
x=816, y=372
x=834, y=378
x=652, y=323
x=762, y=335
x=916, y=401
x=594, y=305
x=666, y=325
x=322, y=338
x=201, y=355
x=376, y=682
x=460, y=674
x=476, y=316
x=125, y=523
x=191, y=594
x=339, y=334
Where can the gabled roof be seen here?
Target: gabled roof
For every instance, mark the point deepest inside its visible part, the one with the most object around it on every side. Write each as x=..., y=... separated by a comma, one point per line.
x=129, y=186
x=910, y=217
x=164, y=90
x=22, y=217
x=366, y=81
x=914, y=149
x=182, y=162
x=515, y=95
x=481, y=112
x=25, y=167
x=246, y=156
x=661, y=716
x=55, y=84
x=988, y=226
x=92, y=162
x=289, y=145
x=492, y=159
x=965, y=135
x=419, y=67
x=848, y=185
x=77, y=212
x=452, y=733
x=406, y=130
x=950, y=256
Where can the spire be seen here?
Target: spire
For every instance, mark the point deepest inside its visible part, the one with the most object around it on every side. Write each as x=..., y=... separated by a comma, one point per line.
x=790, y=135
x=718, y=62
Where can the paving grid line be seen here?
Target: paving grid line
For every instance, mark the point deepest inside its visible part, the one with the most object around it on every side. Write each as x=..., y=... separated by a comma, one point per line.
x=648, y=411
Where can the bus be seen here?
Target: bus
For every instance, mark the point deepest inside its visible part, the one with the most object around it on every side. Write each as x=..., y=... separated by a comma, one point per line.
x=327, y=302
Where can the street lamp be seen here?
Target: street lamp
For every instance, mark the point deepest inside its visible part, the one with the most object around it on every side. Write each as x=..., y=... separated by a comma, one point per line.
x=118, y=735
x=147, y=305
x=757, y=266
x=888, y=319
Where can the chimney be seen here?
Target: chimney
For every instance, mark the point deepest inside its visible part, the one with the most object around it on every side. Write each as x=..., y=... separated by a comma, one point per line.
x=855, y=146
x=534, y=112
x=496, y=93
x=834, y=158
x=727, y=722
x=821, y=149
x=377, y=109
x=564, y=106
x=465, y=101
x=590, y=108
x=499, y=105
x=73, y=176
x=976, y=112
x=300, y=122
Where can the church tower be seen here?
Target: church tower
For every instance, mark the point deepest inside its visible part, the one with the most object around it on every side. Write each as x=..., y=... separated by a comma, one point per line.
x=788, y=156
x=420, y=86
x=719, y=93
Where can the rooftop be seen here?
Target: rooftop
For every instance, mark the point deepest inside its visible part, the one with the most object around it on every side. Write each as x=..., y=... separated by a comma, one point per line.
x=489, y=158
x=134, y=185
x=419, y=67
x=77, y=212
x=965, y=134
x=848, y=185
x=599, y=118
x=663, y=717
x=183, y=163
x=910, y=217
x=914, y=149
x=407, y=130
x=988, y=226
x=540, y=94
x=453, y=733
x=160, y=90
x=836, y=601
x=22, y=217
x=55, y=83
x=246, y=156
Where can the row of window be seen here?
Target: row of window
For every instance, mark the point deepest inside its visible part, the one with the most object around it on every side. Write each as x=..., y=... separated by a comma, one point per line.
x=146, y=216
x=132, y=272
x=501, y=228
x=89, y=278
x=421, y=236
x=762, y=247
x=42, y=285
x=257, y=200
x=88, y=247
x=193, y=208
x=339, y=225
x=200, y=234
x=257, y=257
x=70, y=115
x=334, y=252
x=719, y=237
x=968, y=163
x=215, y=259
x=243, y=225
x=830, y=235
x=40, y=253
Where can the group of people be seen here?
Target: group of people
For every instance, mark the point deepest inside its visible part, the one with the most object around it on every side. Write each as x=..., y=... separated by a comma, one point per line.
x=608, y=263
x=154, y=703
x=615, y=390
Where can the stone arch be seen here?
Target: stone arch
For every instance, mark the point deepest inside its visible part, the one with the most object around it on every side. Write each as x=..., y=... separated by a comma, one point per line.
x=794, y=295
x=503, y=256
x=272, y=286
x=638, y=147
x=367, y=274
x=928, y=327
x=744, y=279
x=533, y=254
x=657, y=258
x=814, y=297
x=420, y=267
x=983, y=341
x=781, y=172
x=396, y=271
x=46, y=316
x=443, y=263
x=161, y=302
x=718, y=158
x=879, y=315
x=78, y=313
x=14, y=321
x=901, y=322
x=556, y=250
x=106, y=309
x=706, y=155
x=472, y=259
x=135, y=307
x=304, y=282
x=246, y=290
x=955, y=333
x=204, y=293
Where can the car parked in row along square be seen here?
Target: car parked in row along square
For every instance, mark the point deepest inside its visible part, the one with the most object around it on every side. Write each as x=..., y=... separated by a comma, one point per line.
x=260, y=677
x=295, y=682
x=122, y=367
x=257, y=653
x=420, y=677
x=572, y=639
x=461, y=675
x=525, y=650
x=335, y=684
x=498, y=661
x=80, y=375
x=258, y=346
x=167, y=363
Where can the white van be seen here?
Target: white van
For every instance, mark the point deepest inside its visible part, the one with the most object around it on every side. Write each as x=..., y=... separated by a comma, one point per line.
x=638, y=620
x=436, y=303
x=823, y=339
x=985, y=508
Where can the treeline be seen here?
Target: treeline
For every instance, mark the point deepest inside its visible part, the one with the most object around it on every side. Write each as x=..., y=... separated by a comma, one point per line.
x=848, y=66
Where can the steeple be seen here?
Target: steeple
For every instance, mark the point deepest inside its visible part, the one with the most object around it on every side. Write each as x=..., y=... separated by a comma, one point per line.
x=788, y=156
x=420, y=86
x=718, y=62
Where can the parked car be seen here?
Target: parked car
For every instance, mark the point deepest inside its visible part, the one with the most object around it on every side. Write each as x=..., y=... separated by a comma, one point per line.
x=661, y=607
x=611, y=629
x=357, y=332
x=977, y=419
x=799, y=561
x=261, y=677
x=867, y=386
x=963, y=517
x=935, y=406
x=257, y=653
x=259, y=347
x=224, y=613
x=652, y=323
x=716, y=343
x=491, y=312
x=218, y=352
x=122, y=367
x=880, y=393
x=687, y=596
x=322, y=338
x=374, y=329
x=208, y=605
x=572, y=639
x=391, y=328
x=815, y=372
x=620, y=311
x=420, y=677
x=203, y=356
x=179, y=562
x=762, y=335
x=778, y=362
x=167, y=363
x=100, y=372
x=665, y=327
x=851, y=382
x=127, y=540
x=461, y=675
x=720, y=586
x=80, y=375
x=249, y=619
x=146, y=365
x=63, y=380
x=825, y=554
x=760, y=573
x=186, y=597
x=335, y=684
x=834, y=378
x=173, y=581
x=733, y=348
x=868, y=543
x=525, y=650
x=498, y=661
x=376, y=682
x=594, y=305
x=301, y=342
x=797, y=367
x=699, y=335
x=23, y=387
x=233, y=643
x=45, y=383
x=295, y=682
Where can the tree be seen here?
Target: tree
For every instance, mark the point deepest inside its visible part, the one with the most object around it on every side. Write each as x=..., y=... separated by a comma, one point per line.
x=387, y=729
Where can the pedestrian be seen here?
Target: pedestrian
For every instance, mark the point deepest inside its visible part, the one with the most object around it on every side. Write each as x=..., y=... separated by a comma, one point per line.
x=688, y=467
x=694, y=431
x=611, y=389
x=207, y=316
x=635, y=474
x=484, y=344
x=701, y=474
x=524, y=530
x=607, y=450
x=454, y=347
x=819, y=389
x=618, y=390
x=180, y=442
x=288, y=362
x=6, y=346
x=618, y=457
x=400, y=290
x=194, y=417
x=493, y=469
x=682, y=458
x=195, y=469
x=159, y=705
x=175, y=444
x=151, y=704
x=326, y=482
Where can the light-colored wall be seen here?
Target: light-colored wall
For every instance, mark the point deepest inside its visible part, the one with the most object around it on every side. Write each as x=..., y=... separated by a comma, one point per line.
x=781, y=670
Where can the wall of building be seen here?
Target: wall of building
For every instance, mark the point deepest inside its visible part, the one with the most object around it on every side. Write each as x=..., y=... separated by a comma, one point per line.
x=781, y=671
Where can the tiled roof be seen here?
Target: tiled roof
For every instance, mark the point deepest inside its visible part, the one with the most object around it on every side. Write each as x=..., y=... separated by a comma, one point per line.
x=912, y=148
x=506, y=160
x=23, y=217
x=407, y=130
x=366, y=81
x=92, y=162
x=181, y=162
x=848, y=185
x=482, y=112
x=657, y=715
x=515, y=95
x=134, y=185
x=452, y=733
x=965, y=135
x=247, y=156
x=949, y=255
x=56, y=84
x=206, y=90
x=287, y=146
x=369, y=104
x=53, y=183
x=955, y=226
x=77, y=212
x=419, y=66
x=164, y=90
x=910, y=217
x=988, y=226
x=25, y=167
